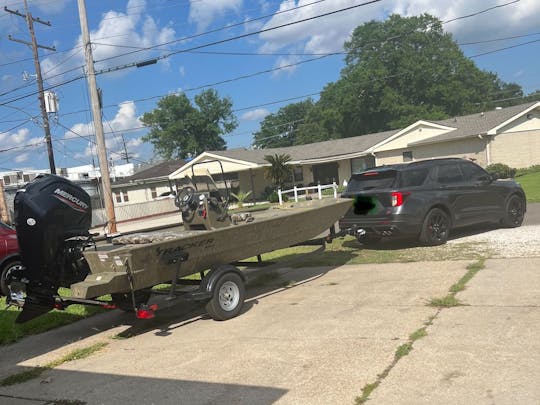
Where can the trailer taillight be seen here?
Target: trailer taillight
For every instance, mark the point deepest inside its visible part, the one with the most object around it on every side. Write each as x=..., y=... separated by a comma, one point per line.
x=398, y=198
x=147, y=312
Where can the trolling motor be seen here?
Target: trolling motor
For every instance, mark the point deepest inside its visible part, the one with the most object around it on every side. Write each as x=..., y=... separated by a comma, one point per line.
x=52, y=219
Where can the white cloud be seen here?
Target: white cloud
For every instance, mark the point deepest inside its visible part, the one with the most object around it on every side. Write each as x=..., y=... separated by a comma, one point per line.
x=50, y=7
x=255, y=115
x=518, y=17
x=18, y=145
x=328, y=34
x=14, y=139
x=321, y=34
x=203, y=13
x=284, y=62
x=20, y=136
x=125, y=119
x=116, y=30
x=133, y=143
x=23, y=157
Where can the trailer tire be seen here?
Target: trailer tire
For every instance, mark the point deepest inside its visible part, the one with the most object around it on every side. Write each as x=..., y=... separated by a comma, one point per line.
x=124, y=301
x=227, y=297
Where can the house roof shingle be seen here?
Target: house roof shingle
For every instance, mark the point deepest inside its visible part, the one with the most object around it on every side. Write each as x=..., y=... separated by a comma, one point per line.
x=158, y=171
x=475, y=124
x=318, y=150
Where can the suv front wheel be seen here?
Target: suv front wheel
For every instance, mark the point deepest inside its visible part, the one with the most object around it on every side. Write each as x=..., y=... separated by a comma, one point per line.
x=514, y=213
x=435, y=228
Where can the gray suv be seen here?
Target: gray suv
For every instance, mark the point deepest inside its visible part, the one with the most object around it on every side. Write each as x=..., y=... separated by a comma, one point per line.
x=426, y=199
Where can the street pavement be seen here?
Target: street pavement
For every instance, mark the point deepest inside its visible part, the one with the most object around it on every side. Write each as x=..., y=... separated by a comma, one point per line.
x=308, y=336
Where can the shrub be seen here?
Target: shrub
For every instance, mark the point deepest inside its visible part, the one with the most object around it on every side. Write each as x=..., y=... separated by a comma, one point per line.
x=501, y=170
x=527, y=170
x=241, y=197
x=273, y=197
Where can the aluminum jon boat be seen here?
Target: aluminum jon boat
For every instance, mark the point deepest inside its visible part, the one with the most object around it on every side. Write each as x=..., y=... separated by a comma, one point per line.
x=53, y=214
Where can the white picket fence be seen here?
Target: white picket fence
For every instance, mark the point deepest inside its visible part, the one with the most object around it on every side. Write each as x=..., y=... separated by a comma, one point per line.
x=295, y=191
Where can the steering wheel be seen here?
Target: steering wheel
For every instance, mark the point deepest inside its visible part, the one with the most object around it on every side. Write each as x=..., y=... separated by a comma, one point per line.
x=185, y=198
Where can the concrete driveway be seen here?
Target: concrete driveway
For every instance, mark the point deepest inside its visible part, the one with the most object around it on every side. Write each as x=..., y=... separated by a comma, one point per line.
x=319, y=340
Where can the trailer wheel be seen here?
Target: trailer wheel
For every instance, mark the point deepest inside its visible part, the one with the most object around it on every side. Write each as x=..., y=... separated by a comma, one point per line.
x=124, y=301
x=227, y=297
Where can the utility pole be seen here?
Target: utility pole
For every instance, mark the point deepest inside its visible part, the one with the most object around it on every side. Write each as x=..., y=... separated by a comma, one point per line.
x=4, y=213
x=98, y=124
x=125, y=148
x=30, y=22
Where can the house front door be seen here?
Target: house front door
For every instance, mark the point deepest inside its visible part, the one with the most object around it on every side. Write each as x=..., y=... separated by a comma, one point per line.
x=326, y=173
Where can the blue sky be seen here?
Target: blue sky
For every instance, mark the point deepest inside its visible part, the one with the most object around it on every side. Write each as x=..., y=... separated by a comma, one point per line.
x=122, y=30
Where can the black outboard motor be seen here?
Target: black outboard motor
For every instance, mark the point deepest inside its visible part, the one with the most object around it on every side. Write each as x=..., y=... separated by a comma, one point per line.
x=52, y=219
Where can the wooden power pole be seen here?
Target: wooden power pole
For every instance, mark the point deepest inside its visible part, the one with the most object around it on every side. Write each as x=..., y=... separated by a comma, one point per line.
x=98, y=124
x=34, y=45
x=4, y=213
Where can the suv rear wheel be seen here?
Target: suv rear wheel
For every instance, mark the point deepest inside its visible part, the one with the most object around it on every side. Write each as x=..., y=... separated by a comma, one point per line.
x=435, y=228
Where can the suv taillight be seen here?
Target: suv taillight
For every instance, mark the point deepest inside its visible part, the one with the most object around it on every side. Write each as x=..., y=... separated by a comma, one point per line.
x=399, y=197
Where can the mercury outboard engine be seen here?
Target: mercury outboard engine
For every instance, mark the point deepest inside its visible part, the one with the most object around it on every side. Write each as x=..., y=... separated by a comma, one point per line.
x=52, y=219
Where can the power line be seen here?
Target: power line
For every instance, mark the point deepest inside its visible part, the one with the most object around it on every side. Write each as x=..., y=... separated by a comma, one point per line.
x=210, y=31
x=222, y=41
x=504, y=49
x=230, y=39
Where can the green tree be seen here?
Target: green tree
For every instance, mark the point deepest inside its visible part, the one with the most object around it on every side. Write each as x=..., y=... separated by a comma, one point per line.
x=398, y=71
x=278, y=171
x=280, y=129
x=180, y=129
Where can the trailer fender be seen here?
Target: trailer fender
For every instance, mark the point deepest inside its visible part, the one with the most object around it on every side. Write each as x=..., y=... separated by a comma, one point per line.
x=209, y=281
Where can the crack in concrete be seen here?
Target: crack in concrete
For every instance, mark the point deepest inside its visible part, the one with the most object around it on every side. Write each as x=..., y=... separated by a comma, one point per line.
x=369, y=388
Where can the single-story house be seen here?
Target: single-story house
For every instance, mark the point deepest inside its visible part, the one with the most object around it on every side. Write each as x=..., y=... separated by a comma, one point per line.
x=505, y=135
x=145, y=185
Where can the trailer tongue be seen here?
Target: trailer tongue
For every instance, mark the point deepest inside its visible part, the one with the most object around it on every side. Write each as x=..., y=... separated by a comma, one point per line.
x=53, y=217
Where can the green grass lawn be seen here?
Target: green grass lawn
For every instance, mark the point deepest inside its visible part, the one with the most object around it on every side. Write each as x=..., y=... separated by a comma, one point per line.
x=11, y=332
x=531, y=184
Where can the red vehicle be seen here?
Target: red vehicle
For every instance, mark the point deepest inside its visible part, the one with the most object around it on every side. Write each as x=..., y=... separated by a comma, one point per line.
x=10, y=260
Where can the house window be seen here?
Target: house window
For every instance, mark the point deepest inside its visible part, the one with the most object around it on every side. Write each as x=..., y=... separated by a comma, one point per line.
x=153, y=191
x=298, y=174
x=407, y=156
x=7, y=180
x=121, y=196
x=362, y=163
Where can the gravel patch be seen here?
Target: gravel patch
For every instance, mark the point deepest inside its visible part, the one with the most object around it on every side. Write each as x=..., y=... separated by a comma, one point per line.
x=505, y=242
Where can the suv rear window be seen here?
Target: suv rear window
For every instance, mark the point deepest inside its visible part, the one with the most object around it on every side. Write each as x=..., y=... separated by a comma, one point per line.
x=413, y=177
x=372, y=179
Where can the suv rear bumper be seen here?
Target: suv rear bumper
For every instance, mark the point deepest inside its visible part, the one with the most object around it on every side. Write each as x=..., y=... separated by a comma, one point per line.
x=380, y=226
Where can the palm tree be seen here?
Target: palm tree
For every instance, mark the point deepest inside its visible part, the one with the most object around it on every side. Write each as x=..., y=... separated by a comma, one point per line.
x=278, y=171
x=241, y=197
